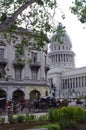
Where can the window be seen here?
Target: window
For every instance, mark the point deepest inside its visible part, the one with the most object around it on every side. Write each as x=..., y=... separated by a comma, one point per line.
x=55, y=47
x=18, y=56
x=34, y=74
x=34, y=57
x=1, y=54
x=18, y=72
x=1, y=71
x=58, y=47
x=63, y=47
x=19, y=52
x=66, y=47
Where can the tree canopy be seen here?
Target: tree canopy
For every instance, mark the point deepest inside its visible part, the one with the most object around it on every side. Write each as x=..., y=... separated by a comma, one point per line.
x=79, y=9
x=35, y=15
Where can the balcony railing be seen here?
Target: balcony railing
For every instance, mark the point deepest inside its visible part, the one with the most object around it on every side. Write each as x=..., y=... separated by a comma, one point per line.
x=35, y=64
x=3, y=61
x=18, y=63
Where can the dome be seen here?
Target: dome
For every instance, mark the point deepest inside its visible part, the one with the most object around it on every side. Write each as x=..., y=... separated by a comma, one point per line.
x=61, y=36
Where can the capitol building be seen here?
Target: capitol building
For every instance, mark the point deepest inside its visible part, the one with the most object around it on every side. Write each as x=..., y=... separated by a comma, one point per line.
x=49, y=73
x=66, y=80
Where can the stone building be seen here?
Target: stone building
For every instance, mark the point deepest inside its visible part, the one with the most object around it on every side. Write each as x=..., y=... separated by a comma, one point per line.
x=66, y=80
x=22, y=79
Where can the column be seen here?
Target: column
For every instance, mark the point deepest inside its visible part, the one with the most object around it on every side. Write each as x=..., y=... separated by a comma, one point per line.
x=56, y=58
x=9, y=93
x=42, y=68
x=75, y=82
x=80, y=81
x=64, y=57
x=60, y=57
x=72, y=82
x=26, y=68
x=84, y=81
x=67, y=57
x=11, y=58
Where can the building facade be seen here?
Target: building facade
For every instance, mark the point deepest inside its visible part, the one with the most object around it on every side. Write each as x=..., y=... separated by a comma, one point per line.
x=66, y=80
x=26, y=78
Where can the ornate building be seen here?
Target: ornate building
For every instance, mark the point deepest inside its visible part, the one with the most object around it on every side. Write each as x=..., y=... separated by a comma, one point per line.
x=22, y=79
x=66, y=80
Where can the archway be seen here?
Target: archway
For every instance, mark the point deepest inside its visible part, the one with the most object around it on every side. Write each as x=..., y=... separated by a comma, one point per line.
x=35, y=94
x=18, y=95
x=2, y=94
x=46, y=93
x=2, y=99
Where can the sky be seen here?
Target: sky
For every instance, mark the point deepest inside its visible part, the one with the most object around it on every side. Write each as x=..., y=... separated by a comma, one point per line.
x=76, y=32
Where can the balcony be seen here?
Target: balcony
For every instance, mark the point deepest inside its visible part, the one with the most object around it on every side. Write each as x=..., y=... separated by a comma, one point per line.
x=17, y=63
x=3, y=62
x=35, y=65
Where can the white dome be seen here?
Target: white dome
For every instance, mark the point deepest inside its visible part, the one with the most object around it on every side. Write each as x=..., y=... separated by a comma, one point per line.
x=62, y=39
x=61, y=36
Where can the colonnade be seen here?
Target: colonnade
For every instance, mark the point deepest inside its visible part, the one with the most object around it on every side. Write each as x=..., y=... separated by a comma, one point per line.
x=62, y=58
x=75, y=82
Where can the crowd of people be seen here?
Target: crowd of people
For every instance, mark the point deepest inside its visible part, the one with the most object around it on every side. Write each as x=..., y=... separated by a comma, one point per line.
x=37, y=104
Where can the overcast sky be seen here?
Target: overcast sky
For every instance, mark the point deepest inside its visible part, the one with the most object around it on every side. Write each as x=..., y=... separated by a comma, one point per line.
x=76, y=32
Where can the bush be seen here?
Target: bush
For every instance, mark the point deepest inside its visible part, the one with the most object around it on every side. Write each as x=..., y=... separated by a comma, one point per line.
x=20, y=118
x=72, y=124
x=10, y=117
x=79, y=114
x=64, y=116
x=43, y=118
x=2, y=120
x=83, y=118
x=50, y=114
x=53, y=127
x=30, y=118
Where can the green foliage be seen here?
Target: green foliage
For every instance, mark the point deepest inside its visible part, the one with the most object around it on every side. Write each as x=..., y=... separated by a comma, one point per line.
x=42, y=118
x=51, y=114
x=2, y=120
x=60, y=33
x=79, y=9
x=68, y=117
x=68, y=112
x=80, y=115
x=10, y=117
x=3, y=73
x=53, y=127
x=20, y=118
x=3, y=17
x=28, y=118
x=36, y=15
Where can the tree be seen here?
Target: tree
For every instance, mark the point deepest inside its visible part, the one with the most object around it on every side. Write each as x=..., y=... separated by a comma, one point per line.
x=79, y=9
x=33, y=14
